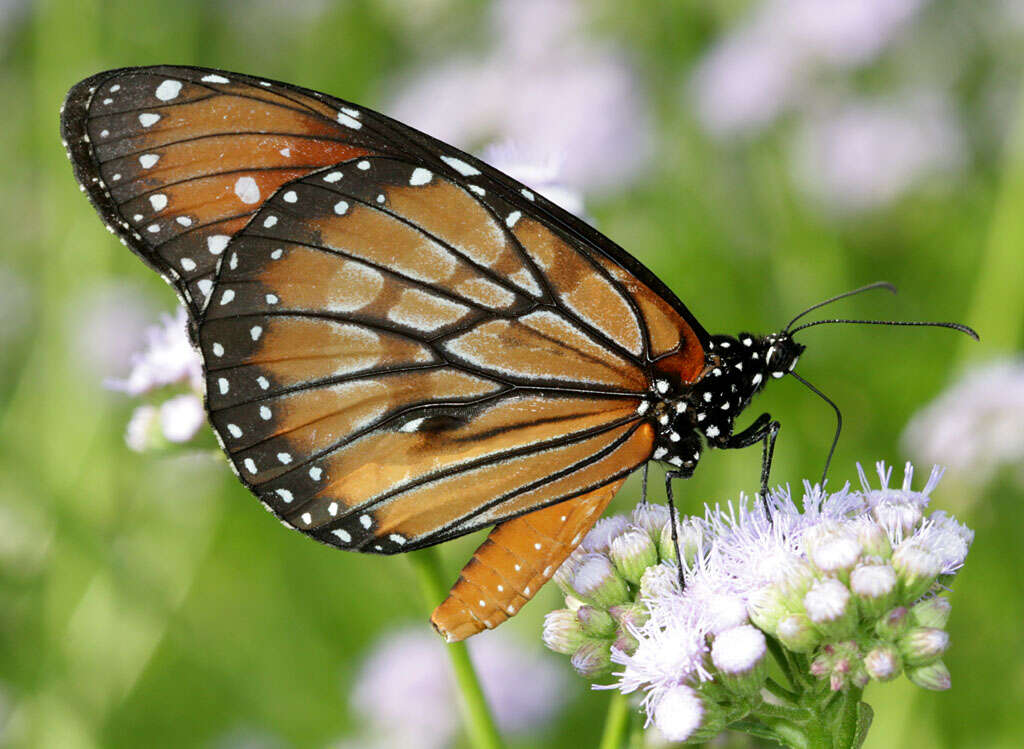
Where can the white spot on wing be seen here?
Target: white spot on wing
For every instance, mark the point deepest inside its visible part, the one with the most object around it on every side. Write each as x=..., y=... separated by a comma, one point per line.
x=148, y=160
x=158, y=201
x=420, y=176
x=214, y=78
x=343, y=534
x=146, y=119
x=168, y=90
x=466, y=170
x=349, y=121
x=247, y=190
x=216, y=243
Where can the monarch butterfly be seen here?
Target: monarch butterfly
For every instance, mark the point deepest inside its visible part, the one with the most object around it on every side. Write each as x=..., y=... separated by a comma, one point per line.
x=401, y=344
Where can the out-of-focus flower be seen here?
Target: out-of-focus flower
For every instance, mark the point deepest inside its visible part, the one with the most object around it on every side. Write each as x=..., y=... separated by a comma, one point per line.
x=107, y=324
x=583, y=105
x=864, y=154
x=849, y=582
x=167, y=362
x=977, y=425
x=406, y=694
x=167, y=359
x=768, y=62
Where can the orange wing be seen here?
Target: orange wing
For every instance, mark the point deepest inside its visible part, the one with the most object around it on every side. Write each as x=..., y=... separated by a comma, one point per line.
x=401, y=343
x=517, y=558
x=177, y=160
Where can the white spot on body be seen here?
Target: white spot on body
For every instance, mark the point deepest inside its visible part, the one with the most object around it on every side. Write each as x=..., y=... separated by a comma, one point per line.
x=168, y=90
x=247, y=190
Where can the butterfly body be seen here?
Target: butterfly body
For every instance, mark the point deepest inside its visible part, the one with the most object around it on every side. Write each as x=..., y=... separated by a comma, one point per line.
x=401, y=344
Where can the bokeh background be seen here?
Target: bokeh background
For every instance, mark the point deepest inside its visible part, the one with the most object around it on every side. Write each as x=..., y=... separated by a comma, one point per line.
x=757, y=155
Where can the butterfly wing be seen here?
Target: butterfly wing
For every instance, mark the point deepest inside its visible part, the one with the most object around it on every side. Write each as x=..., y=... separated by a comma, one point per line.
x=177, y=160
x=402, y=344
x=392, y=364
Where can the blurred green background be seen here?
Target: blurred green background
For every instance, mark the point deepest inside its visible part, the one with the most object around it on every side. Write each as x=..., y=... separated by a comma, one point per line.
x=147, y=600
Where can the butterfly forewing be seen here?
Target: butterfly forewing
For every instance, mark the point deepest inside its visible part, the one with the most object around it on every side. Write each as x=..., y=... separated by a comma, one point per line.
x=178, y=159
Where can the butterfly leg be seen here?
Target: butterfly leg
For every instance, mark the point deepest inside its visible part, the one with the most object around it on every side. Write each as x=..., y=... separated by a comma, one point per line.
x=643, y=484
x=765, y=430
x=673, y=520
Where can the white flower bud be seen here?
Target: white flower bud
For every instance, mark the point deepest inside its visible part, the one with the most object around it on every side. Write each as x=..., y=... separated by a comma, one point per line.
x=652, y=518
x=922, y=645
x=597, y=582
x=883, y=662
x=679, y=713
x=898, y=517
x=691, y=538
x=874, y=586
x=765, y=608
x=567, y=571
x=917, y=567
x=828, y=607
x=933, y=676
x=739, y=655
x=595, y=622
x=592, y=659
x=659, y=581
x=633, y=552
x=873, y=539
x=796, y=633
x=931, y=612
x=562, y=632
x=833, y=547
x=601, y=535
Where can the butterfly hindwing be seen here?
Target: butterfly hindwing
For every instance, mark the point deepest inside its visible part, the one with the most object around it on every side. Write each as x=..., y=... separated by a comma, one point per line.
x=383, y=382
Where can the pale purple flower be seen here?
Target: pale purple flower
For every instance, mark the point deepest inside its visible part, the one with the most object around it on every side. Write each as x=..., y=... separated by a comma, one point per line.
x=107, y=323
x=406, y=693
x=168, y=359
x=976, y=426
x=769, y=61
x=543, y=85
x=862, y=154
x=181, y=417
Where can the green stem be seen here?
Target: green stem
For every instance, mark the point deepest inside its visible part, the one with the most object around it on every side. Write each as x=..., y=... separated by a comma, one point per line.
x=483, y=733
x=616, y=722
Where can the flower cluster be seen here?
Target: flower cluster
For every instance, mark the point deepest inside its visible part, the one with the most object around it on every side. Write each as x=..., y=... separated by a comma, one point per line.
x=169, y=366
x=844, y=589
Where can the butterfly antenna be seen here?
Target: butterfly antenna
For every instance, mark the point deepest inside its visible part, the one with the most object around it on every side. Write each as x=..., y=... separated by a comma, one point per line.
x=895, y=323
x=871, y=286
x=839, y=421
